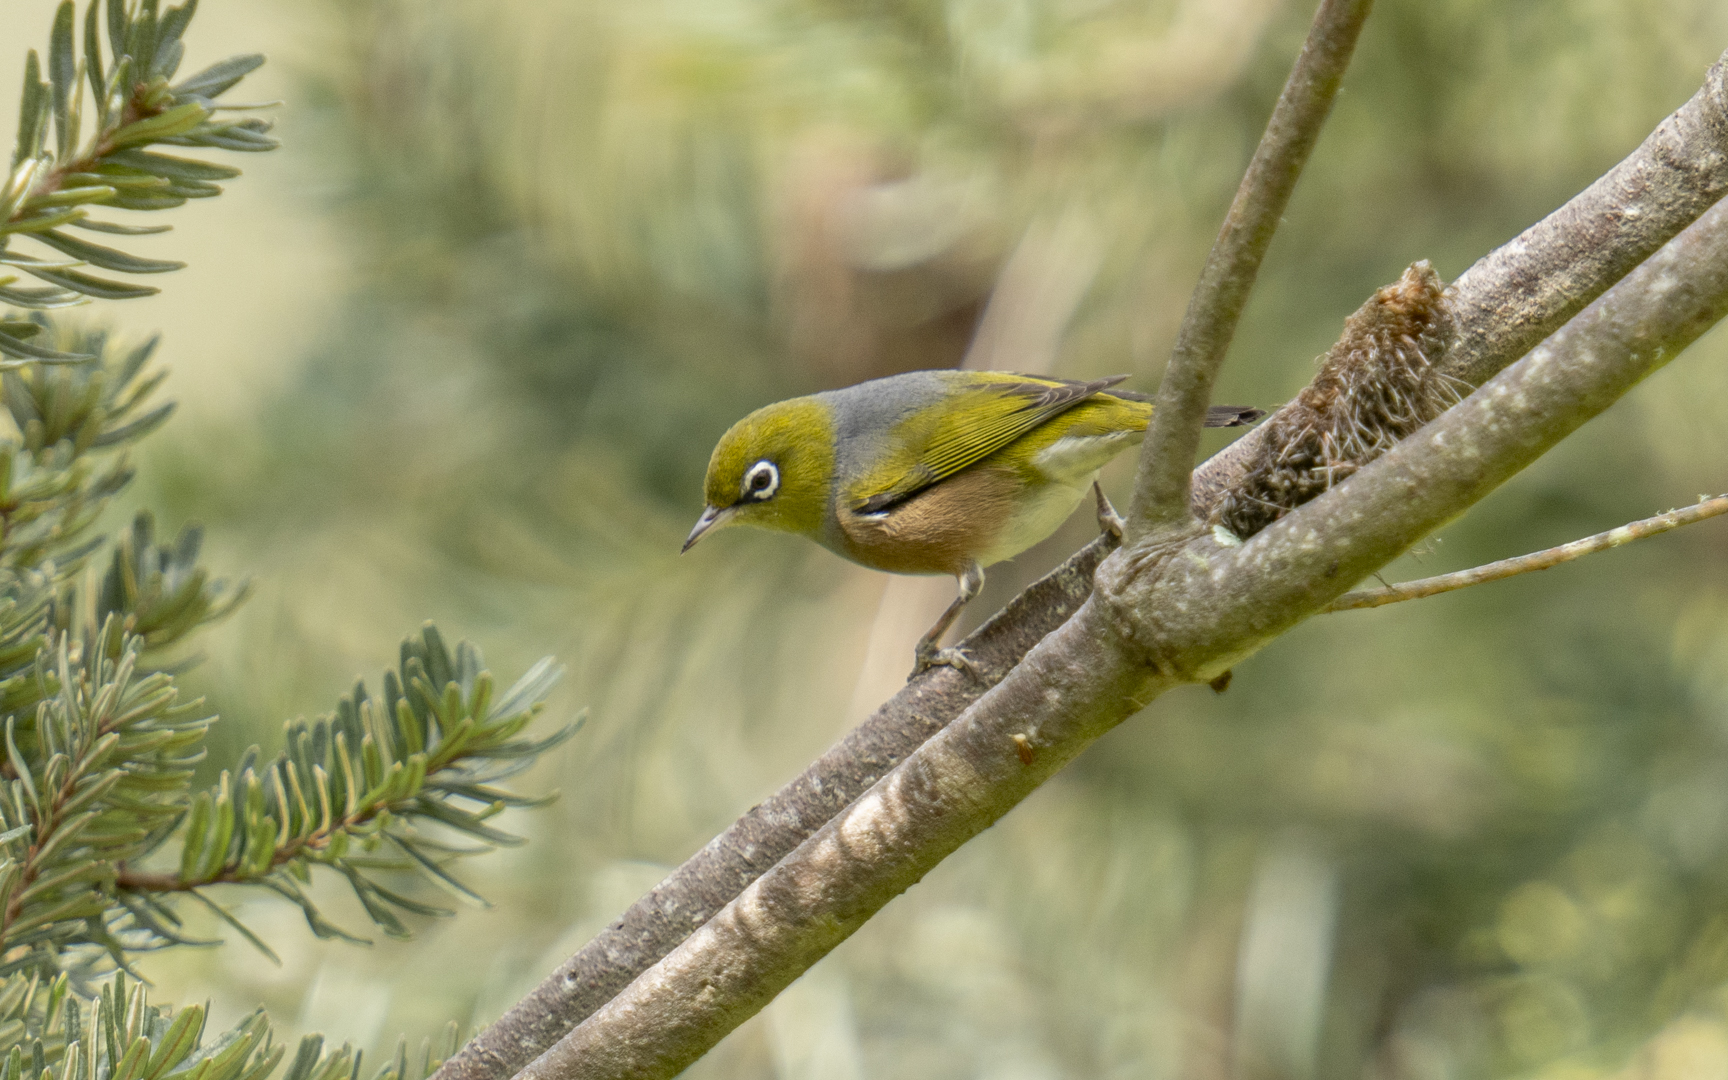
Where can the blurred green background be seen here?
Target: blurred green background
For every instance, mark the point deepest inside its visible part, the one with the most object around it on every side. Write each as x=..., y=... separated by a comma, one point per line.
x=459, y=351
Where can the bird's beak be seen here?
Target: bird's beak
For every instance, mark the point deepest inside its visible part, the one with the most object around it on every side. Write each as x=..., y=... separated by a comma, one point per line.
x=711, y=516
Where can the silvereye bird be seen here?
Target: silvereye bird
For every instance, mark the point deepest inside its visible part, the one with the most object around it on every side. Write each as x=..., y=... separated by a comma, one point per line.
x=930, y=472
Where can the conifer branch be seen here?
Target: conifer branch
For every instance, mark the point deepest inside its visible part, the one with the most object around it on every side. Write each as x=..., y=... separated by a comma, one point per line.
x=97, y=773
x=53, y=1035
x=98, y=748
x=56, y=175
x=356, y=790
x=64, y=459
x=47, y=1032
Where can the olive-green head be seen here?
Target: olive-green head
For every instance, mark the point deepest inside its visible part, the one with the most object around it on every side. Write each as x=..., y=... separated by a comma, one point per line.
x=773, y=469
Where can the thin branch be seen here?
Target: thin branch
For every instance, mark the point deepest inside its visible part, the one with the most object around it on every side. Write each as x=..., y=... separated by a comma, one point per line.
x=1161, y=493
x=1161, y=615
x=1685, y=169
x=1536, y=560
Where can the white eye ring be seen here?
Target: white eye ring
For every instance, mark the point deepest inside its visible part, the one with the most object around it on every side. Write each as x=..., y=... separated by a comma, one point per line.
x=762, y=481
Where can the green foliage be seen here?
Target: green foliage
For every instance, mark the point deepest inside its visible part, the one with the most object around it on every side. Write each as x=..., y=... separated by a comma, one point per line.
x=374, y=786
x=98, y=759
x=97, y=773
x=100, y=749
x=60, y=466
x=99, y=745
x=159, y=590
x=50, y=1035
x=57, y=176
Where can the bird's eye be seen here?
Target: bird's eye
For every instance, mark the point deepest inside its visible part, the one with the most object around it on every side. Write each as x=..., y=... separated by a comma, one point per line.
x=762, y=481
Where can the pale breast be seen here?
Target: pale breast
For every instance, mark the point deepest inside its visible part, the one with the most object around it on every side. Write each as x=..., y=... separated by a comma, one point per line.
x=1067, y=466
x=1076, y=459
x=1038, y=514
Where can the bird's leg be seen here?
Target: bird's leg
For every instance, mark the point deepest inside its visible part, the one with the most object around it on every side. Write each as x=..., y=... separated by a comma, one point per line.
x=929, y=651
x=1109, y=521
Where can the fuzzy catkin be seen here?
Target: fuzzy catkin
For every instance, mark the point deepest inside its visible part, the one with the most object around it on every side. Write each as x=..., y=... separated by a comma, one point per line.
x=1377, y=385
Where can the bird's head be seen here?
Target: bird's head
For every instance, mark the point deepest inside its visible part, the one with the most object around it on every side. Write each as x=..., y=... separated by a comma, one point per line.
x=773, y=469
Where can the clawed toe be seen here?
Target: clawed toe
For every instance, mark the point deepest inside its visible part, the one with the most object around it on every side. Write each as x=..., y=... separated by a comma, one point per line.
x=951, y=657
x=1109, y=521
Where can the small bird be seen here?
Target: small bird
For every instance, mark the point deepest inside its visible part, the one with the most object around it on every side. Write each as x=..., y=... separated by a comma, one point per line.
x=929, y=472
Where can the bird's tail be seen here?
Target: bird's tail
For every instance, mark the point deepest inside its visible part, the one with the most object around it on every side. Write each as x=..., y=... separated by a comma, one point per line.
x=1216, y=416
x=1232, y=415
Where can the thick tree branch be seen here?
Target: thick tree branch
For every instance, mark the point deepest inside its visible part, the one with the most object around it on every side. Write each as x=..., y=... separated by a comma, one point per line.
x=1686, y=161
x=1162, y=614
x=757, y=840
x=1161, y=493
x=1536, y=560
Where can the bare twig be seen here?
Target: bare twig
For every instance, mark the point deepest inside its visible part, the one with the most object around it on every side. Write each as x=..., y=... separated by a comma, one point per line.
x=1161, y=615
x=1536, y=560
x=1686, y=168
x=1161, y=493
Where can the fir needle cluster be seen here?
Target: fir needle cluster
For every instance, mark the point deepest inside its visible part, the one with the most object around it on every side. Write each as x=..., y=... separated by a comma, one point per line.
x=101, y=831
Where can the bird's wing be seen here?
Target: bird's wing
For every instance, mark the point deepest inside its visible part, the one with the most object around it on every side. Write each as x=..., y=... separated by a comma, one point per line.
x=986, y=419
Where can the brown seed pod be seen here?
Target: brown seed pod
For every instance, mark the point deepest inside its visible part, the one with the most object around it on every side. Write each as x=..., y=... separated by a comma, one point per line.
x=1378, y=384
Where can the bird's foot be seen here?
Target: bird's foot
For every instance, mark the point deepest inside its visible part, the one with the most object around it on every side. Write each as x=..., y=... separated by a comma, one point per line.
x=1109, y=521
x=930, y=656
